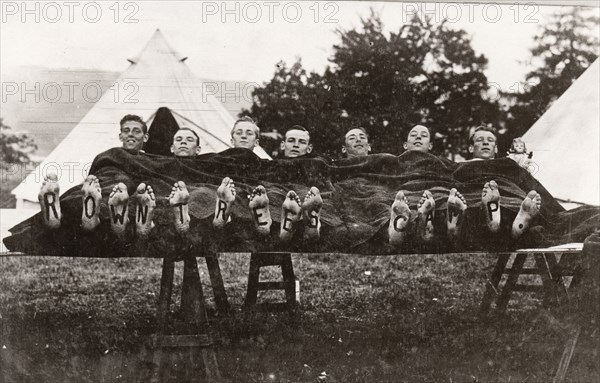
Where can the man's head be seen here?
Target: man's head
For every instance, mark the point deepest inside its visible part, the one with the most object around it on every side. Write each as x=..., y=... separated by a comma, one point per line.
x=296, y=142
x=186, y=143
x=245, y=133
x=356, y=143
x=419, y=138
x=483, y=143
x=134, y=132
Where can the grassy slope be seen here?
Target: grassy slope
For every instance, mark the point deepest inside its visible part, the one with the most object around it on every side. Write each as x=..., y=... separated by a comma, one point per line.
x=412, y=319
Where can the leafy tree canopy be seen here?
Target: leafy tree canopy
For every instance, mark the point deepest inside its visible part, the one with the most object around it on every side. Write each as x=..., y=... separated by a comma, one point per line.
x=387, y=83
x=15, y=147
x=564, y=48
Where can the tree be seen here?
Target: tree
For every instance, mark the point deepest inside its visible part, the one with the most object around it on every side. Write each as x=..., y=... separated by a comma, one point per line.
x=565, y=47
x=423, y=74
x=295, y=97
x=15, y=147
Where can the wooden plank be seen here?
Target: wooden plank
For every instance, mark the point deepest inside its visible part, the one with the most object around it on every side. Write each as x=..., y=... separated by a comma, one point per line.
x=287, y=269
x=253, y=277
x=166, y=290
x=524, y=271
x=491, y=290
x=567, y=354
x=192, y=296
x=271, y=259
x=191, y=279
x=550, y=296
x=470, y=253
x=211, y=367
x=511, y=281
x=216, y=281
x=570, y=265
x=552, y=277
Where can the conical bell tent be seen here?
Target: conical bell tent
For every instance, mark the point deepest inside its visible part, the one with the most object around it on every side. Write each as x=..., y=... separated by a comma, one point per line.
x=566, y=142
x=158, y=77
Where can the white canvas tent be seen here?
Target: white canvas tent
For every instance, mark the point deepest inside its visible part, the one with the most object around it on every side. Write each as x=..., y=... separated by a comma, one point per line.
x=157, y=77
x=566, y=142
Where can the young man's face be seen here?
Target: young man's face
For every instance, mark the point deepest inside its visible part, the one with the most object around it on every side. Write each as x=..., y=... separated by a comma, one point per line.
x=132, y=135
x=418, y=139
x=484, y=145
x=356, y=144
x=185, y=144
x=296, y=144
x=244, y=135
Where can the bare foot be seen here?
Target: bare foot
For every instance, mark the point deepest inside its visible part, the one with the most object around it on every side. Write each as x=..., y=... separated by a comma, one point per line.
x=92, y=195
x=117, y=204
x=291, y=214
x=225, y=198
x=490, y=200
x=530, y=207
x=399, y=218
x=259, y=204
x=50, y=202
x=178, y=199
x=311, y=209
x=456, y=207
x=426, y=211
x=144, y=209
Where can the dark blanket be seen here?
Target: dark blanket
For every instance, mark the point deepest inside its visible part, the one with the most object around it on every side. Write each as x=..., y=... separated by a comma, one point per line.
x=357, y=196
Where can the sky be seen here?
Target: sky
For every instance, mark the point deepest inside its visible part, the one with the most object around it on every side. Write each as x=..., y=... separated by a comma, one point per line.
x=244, y=40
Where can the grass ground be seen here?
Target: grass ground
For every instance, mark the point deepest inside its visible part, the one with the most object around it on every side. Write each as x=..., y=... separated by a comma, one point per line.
x=360, y=319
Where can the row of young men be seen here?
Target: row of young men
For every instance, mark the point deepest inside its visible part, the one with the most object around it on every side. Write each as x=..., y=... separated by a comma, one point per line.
x=296, y=143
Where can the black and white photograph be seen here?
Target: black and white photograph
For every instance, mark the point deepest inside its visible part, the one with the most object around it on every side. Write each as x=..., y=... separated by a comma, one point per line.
x=300, y=191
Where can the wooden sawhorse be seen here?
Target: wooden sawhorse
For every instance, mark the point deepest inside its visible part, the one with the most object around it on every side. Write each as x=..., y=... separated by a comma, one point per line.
x=200, y=342
x=551, y=264
x=288, y=284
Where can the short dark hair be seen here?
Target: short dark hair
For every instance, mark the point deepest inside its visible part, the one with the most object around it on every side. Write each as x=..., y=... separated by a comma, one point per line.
x=482, y=128
x=136, y=118
x=246, y=119
x=297, y=127
x=191, y=130
x=429, y=129
x=359, y=128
